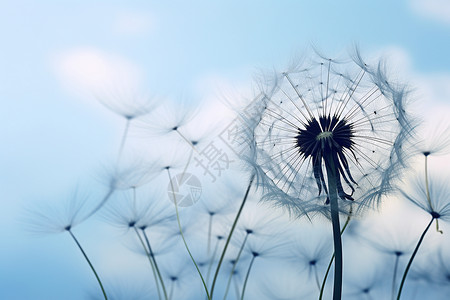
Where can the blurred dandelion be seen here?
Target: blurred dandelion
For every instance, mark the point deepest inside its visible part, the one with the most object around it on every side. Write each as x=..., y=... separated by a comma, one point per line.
x=432, y=196
x=342, y=124
x=53, y=219
x=130, y=107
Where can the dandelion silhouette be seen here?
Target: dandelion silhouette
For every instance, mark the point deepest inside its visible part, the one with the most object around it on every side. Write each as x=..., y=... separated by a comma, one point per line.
x=341, y=124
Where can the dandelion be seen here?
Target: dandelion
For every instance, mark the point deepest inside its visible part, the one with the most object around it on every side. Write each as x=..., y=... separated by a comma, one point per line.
x=332, y=127
x=64, y=219
x=432, y=196
x=129, y=107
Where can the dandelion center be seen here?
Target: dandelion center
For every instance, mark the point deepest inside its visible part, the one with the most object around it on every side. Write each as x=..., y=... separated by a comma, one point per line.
x=328, y=138
x=324, y=134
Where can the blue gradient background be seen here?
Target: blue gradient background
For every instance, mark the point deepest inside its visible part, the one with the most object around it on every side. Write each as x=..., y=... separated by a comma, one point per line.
x=51, y=135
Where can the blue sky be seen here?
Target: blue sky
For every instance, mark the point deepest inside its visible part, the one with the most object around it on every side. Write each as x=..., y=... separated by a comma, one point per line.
x=56, y=55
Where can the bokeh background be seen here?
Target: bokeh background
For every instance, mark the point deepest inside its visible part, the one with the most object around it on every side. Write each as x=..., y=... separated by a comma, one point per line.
x=57, y=58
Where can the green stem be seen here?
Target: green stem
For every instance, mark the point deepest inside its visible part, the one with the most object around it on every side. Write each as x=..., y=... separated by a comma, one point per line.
x=412, y=258
x=152, y=254
x=334, y=208
x=184, y=240
x=332, y=259
x=150, y=261
x=247, y=276
x=230, y=234
x=89, y=262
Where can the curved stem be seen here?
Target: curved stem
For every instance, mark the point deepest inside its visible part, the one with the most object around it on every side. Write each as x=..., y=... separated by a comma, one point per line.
x=152, y=254
x=332, y=259
x=184, y=240
x=247, y=276
x=231, y=233
x=334, y=208
x=412, y=258
x=89, y=262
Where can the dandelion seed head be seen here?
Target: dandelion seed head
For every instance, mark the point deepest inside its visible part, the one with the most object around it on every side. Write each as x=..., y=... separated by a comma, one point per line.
x=346, y=115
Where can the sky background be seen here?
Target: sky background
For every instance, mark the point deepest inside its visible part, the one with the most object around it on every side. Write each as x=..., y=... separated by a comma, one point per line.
x=56, y=57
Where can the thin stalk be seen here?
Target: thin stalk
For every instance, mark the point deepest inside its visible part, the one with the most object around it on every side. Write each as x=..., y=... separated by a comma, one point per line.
x=234, y=265
x=230, y=234
x=211, y=261
x=124, y=138
x=428, y=193
x=172, y=286
x=247, y=276
x=152, y=254
x=150, y=261
x=236, y=288
x=412, y=258
x=332, y=259
x=394, y=277
x=209, y=233
x=334, y=208
x=184, y=240
x=89, y=262
x=316, y=276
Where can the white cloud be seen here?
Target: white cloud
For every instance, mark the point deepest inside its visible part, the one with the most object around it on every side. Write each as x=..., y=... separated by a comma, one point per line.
x=92, y=71
x=435, y=9
x=134, y=23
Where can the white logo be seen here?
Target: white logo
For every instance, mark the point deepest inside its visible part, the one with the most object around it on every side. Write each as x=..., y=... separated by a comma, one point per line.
x=185, y=189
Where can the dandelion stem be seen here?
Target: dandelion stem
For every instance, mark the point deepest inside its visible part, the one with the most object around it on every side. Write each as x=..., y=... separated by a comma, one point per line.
x=247, y=275
x=230, y=234
x=332, y=259
x=394, y=277
x=89, y=262
x=151, y=262
x=316, y=276
x=211, y=261
x=182, y=236
x=234, y=265
x=412, y=257
x=209, y=233
x=334, y=208
x=152, y=254
x=428, y=193
x=124, y=138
